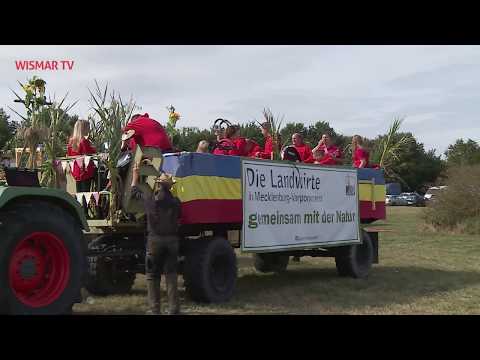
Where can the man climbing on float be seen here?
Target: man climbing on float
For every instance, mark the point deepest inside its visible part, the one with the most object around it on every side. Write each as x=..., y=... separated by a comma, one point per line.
x=145, y=131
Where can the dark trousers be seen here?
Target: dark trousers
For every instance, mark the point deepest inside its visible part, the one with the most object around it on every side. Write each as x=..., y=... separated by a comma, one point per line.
x=162, y=257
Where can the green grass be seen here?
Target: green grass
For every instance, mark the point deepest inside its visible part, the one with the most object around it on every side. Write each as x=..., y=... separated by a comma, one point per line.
x=419, y=273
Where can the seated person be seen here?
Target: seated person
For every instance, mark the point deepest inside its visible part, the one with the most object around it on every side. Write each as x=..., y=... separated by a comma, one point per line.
x=303, y=149
x=251, y=148
x=267, y=152
x=203, y=147
x=227, y=146
x=148, y=132
x=360, y=154
x=330, y=154
x=79, y=145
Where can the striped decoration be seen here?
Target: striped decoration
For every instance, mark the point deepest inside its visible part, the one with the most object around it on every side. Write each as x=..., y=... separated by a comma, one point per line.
x=209, y=187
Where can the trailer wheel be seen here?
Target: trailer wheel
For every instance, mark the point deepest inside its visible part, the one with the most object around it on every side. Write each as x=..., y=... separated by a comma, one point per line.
x=355, y=260
x=270, y=262
x=103, y=279
x=42, y=259
x=210, y=270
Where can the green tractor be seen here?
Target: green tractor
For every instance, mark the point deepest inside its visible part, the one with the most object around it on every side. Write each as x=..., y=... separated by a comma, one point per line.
x=42, y=247
x=54, y=242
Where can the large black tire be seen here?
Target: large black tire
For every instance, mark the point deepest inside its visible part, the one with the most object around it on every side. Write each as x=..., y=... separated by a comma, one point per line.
x=103, y=280
x=355, y=260
x=42, y=259
x=270, y=262
x=210, y=271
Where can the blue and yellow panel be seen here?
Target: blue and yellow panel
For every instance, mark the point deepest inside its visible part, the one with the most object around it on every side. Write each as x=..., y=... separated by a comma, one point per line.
x=209, y=187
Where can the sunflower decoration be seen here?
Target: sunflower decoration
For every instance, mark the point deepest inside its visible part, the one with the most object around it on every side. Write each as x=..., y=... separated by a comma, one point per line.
x=172, y=130
x=33, y=131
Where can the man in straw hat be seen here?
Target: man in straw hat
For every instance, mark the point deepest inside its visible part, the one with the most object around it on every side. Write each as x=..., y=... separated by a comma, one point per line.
x=163, y=213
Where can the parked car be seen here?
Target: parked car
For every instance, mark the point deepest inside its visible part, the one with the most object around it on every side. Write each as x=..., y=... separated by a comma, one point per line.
x=432, y=192
x=412, y=199
x=394, y=200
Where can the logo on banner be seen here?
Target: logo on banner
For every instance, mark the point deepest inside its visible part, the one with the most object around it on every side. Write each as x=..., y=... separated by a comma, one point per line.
x=350, y=187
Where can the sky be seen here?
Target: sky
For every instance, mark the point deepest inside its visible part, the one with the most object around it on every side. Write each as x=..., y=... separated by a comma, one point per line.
x=357, y=89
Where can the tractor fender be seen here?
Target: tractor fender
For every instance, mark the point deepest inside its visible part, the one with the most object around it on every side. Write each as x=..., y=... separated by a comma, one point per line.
x=10, y=194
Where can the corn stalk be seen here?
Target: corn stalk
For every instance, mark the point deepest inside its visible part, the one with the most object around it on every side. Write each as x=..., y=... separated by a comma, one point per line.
x=111, y=115
x=33, y=132
x=53, y=144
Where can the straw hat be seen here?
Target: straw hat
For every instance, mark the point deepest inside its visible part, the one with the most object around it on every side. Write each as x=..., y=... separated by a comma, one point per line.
x=165, y=179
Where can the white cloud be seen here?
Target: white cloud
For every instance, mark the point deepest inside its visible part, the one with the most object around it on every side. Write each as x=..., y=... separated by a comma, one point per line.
x=358, y=89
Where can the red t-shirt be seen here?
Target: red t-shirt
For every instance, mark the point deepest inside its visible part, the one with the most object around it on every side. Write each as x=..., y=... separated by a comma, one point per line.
x=241, y=144
x=331, y=152
x=148, y=132
x=79, y=172
x=268, y=150
x=254, y=148
x=232, y=148
x=359, y=155
x=305, y=152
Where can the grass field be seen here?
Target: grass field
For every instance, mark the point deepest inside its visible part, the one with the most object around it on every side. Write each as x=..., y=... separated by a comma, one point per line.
x=419, y=273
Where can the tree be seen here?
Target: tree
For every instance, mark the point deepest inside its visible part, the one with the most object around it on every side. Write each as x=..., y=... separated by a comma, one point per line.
x=7, y=129
x=252, y=131
x=463, y=153
x=412, y=166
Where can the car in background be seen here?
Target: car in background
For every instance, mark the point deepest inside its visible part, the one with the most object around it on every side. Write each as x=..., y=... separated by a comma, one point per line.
x=432, y=192
x=412, y=199
x=395, y=200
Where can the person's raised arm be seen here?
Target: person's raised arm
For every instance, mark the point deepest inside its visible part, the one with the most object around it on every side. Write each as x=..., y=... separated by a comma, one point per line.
x=136, y=192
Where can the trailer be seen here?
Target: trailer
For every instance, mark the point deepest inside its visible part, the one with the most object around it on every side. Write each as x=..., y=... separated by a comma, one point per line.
x=271, y=209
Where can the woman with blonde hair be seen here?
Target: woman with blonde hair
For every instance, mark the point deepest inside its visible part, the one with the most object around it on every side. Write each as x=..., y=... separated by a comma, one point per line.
x=79, y=145
x=360, y=155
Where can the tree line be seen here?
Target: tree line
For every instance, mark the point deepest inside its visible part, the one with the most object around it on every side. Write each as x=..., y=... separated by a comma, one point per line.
x=413, y=166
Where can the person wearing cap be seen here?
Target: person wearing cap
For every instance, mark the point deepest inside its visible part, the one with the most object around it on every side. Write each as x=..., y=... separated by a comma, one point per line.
x=147, y=132
x=267, y=151
x=327, y=153
x=163, y=212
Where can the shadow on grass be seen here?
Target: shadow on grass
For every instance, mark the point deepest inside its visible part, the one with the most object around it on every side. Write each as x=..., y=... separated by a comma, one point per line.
x=311, y=290
x=385, y=286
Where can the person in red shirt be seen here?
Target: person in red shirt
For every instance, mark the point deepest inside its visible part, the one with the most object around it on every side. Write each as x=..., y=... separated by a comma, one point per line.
x=267, y=151
x=303, y=149
x=252, y=148
x=227, y=145
x=79, y=145
x=331, y=154
x=360, y=155
x=148, y=132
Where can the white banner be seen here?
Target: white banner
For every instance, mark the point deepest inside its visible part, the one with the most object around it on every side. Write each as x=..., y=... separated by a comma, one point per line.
x=288, y=206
